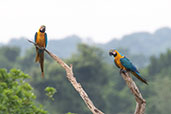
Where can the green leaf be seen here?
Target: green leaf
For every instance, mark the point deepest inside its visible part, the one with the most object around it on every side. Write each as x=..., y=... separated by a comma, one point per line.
x=50, y=92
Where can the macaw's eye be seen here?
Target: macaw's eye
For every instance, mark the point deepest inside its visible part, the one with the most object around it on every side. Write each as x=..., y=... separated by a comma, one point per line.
x=114, y=54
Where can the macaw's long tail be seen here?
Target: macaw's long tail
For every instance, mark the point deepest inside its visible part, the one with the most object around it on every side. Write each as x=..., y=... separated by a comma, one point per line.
x=137, y=74
x=37, y=55
x=40, y=58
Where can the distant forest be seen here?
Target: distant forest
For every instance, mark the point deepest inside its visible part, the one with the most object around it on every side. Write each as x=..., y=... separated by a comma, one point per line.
x=138, y=46
x=98, y=76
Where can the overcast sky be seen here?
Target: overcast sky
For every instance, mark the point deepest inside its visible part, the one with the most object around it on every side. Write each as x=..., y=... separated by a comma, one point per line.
x=100, y=20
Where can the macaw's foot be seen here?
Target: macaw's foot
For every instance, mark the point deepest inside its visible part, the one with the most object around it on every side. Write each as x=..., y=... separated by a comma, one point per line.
x=123, y=71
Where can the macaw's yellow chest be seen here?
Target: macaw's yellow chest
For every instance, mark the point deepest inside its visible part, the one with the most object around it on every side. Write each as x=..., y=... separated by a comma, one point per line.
x=118, y=63
x=40, y=39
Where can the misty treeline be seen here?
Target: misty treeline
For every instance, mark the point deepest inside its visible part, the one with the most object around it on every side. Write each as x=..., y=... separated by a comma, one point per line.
x=100, y=79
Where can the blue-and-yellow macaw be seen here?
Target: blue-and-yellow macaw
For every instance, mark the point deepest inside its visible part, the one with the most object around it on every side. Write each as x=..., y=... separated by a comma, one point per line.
x=41, y=40
x=125, y=64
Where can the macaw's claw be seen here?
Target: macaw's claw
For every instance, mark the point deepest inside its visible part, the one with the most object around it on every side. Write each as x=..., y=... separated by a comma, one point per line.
x=123, y=71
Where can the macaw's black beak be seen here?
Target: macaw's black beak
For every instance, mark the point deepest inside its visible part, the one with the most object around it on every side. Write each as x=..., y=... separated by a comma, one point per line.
x=42, y=29
x=111, y=52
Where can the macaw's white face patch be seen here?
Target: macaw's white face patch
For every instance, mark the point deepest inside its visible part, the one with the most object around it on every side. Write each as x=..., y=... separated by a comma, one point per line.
x=114, y=53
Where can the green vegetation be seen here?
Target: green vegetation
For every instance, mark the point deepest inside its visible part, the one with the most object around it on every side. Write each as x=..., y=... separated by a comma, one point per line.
x=17, y=96
x=50, y=92
x=99, y=78
x=159, y=72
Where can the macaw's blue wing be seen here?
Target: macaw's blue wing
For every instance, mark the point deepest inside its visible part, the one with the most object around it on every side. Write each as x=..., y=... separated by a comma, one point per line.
x=35, y=37
x=130, y=67
x=46, y=40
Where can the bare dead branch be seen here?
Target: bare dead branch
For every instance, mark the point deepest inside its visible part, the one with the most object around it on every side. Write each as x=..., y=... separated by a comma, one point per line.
x=73, y=81
x=140, y=102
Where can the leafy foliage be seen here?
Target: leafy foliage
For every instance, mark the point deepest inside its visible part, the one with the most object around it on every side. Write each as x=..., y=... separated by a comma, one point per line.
x=50, y=92
x=16, y=96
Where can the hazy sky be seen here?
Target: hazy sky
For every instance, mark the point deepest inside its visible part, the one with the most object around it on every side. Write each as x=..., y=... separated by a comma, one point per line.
x=100, y=20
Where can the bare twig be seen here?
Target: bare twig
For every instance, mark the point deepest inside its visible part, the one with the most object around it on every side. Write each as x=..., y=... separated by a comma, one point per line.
x=140, y=102
x=73, y=81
